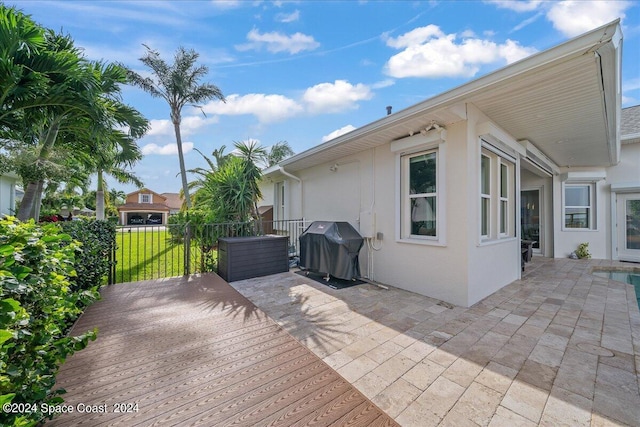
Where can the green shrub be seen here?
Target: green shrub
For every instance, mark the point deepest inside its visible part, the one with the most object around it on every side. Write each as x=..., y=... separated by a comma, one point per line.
x=37, y=309
x=97, y=239
x=583, y=251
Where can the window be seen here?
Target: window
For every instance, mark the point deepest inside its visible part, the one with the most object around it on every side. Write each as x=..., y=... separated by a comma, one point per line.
x=497, y=189
x=420, y=195
x=485, y=196
x=579, y=206
x=504, y=199
x=145, y=198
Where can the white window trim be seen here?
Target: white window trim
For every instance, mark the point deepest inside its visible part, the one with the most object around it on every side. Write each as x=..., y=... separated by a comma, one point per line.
x=434, y=140
x=141, y=198
x=592, y=218
x=502, y=199
x=497, y=158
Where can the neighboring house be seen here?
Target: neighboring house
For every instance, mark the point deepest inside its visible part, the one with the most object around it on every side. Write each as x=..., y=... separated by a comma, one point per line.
x=445, y=190
x=144, y=207
x=8, y=193
x=173, y=201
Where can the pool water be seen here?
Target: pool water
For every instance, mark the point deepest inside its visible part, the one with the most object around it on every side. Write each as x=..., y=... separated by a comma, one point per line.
x=629, y=277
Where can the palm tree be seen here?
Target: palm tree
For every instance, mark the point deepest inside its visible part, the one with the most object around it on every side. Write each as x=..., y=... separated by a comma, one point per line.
x=114, y=160
x=117, y=196
x=278, y=152
x=92, y=130
x=179, y=85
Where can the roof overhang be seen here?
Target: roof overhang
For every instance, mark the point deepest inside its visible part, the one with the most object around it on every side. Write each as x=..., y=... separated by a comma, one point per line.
x=565, y=101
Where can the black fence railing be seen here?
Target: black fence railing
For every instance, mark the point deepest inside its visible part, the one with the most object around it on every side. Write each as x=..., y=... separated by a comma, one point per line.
x=156, y=251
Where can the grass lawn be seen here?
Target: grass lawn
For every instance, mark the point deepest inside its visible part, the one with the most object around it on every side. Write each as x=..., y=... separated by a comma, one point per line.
x=147, y=253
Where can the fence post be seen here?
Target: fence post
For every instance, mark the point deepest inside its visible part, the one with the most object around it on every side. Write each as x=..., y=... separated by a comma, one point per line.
x=112, y=262
x=187, y=248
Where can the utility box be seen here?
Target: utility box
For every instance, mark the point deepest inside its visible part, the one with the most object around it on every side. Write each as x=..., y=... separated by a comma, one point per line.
x=247, y=257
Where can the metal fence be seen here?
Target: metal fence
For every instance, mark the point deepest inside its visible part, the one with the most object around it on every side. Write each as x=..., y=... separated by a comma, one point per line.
x=155, y=251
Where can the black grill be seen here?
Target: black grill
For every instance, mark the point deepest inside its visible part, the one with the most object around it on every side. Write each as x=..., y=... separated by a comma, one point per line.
x=331, y=248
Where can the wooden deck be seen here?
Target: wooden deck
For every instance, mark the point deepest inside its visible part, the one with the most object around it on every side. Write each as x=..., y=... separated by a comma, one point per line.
x=193, y=351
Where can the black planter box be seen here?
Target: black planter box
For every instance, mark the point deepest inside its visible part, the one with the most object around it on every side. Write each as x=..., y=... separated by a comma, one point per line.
x=247, y=257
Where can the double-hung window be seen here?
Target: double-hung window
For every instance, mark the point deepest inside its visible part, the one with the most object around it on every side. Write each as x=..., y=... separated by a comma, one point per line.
x=145, y=198
x=579, y=206
x=420, y=195
x=497, y=196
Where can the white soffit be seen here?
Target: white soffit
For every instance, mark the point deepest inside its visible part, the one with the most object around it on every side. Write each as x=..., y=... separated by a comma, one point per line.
x=556, y=99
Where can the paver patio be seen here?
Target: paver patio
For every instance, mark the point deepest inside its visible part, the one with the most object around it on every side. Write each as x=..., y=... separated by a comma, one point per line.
x=559, y=347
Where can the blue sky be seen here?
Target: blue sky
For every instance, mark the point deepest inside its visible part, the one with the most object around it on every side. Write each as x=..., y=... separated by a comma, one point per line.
x=307, y=71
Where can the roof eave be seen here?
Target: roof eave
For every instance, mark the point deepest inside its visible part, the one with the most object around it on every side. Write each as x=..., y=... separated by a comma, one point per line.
x=594, y=40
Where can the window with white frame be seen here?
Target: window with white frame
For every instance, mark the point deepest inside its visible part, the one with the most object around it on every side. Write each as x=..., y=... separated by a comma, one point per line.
x=497, y=196
x=420, y=195
x=145, y=198
x=485, y=196
x=579, y=205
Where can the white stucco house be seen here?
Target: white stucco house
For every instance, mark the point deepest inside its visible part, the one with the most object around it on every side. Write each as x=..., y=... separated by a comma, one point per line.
x=8, y=193
x=445, y=190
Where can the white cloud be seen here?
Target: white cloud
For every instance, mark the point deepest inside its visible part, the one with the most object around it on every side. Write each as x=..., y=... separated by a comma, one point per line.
x=288, y=17
x=338, y=132
x=335, y=97
x=188, y=126
x=573, y=18
x=517, y=6
x=428, y=52
x=166, y=150
x=158, y=127
x=268, y=108
x=383, y=83
x=226, y=4
x=276, y=42
x=319, y=99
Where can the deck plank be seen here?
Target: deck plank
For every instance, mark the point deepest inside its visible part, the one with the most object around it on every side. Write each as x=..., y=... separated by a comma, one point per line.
x=194, y=351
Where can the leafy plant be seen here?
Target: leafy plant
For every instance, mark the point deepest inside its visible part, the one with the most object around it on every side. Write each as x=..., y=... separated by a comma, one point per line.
x=583, y=251
x=37, y=309
x=97, y=240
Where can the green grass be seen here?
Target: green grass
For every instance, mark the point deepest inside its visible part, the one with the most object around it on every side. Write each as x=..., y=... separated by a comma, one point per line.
x=147, y=253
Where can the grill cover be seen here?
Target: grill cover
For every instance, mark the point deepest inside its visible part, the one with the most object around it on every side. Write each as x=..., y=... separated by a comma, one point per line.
x=331, y=248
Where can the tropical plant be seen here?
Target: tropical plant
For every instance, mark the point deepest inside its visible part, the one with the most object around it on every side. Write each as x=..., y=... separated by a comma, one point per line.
x=37, y=308
x=252, y=154
x=277, y=153
x=31, y=71
x=179, y=85
x=96, y=88
x=116, y=197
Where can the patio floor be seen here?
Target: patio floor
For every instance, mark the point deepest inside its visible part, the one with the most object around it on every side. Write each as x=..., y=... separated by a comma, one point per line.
x=193, y=351
x=559, y=347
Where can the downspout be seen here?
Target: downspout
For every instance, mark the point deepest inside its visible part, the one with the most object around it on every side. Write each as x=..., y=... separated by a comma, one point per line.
x=289, y=175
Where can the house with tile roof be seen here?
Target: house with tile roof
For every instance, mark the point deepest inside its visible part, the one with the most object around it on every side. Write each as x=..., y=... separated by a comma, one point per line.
x=144, y=207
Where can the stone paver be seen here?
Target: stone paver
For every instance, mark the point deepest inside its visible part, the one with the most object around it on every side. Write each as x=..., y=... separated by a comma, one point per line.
x=559, y=347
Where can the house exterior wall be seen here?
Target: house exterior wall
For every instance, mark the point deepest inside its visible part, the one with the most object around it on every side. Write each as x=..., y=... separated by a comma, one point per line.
x=627, y=171
x=362, y=189
x=7, y=195
x=495, y=263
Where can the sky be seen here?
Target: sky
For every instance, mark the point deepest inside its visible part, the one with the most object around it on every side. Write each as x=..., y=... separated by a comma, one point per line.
x=307, y=71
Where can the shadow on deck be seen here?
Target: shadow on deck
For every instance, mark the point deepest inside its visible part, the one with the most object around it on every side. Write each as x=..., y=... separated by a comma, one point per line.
x=194, y=351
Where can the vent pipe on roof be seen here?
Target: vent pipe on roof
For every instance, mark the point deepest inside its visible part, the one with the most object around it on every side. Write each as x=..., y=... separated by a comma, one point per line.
x=389, y=107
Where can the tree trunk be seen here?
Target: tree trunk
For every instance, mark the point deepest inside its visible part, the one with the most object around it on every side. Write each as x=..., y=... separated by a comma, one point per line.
x=100, y=196
x=31, y=199
x=26, y=205
x=37, y=203
x=183, y=170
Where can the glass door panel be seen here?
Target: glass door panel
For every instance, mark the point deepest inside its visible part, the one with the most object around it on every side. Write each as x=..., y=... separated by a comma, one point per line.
x=530, y=216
